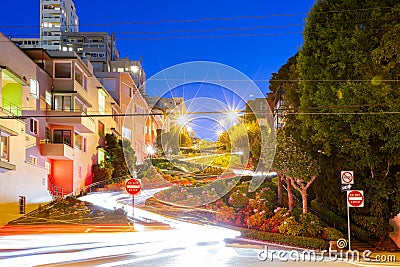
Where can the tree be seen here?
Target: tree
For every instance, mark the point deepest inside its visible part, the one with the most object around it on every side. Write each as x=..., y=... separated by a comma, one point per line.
x=297, y=167
x=347, y=67
x=121, y=156
x=246, y=137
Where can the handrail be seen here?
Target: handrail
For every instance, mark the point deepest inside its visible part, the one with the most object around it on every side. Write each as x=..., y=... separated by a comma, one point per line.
x=11, y=107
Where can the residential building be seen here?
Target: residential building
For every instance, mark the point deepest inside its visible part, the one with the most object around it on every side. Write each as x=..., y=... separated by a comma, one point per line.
x=123, y=90
x=98, y=47
x=23, y=170
x=56, y=17
x=257, y=109
x=134, y=68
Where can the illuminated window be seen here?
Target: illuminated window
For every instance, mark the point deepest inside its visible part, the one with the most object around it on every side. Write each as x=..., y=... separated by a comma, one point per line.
x=48, y=98
x=102, y=102
x=62, y=102
x=4, y=146
x=33, y=160
x=34, y=88
x=101, y=129
x=126, y=133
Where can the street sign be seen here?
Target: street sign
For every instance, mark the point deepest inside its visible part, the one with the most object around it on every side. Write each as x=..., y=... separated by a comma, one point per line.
x=355, y=198
x=346, y=187
x=133, y=186
x=347, y=177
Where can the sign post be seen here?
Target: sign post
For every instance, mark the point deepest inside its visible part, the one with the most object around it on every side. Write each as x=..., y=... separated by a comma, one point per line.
x=133, y=187
x=355, y=199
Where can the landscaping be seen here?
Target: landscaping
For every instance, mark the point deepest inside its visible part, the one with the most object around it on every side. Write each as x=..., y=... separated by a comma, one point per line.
x=72, y=211
x=255, y=214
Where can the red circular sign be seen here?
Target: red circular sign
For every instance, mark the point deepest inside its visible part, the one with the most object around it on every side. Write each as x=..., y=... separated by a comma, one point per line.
x=133, y=186
x=355, y=198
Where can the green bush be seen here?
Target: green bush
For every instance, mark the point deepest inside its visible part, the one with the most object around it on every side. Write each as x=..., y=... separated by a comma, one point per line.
x=311, y=225
x=306, y=242
x=340, y=223
x=331, y=234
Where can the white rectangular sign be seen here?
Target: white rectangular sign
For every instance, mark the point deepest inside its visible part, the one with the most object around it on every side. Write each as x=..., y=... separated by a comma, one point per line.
x=347, y=177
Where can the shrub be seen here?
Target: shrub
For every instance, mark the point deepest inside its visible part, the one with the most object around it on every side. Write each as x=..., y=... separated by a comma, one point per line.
x=331, y=234
x=225, y=214
x=311, y=225
x=340, y=223
x=238, y=199
x=290, y=227
x=307, y=242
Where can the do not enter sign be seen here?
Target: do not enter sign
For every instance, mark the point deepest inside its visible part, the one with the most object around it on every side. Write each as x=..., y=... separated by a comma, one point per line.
x=133, y=186
x=355, y=198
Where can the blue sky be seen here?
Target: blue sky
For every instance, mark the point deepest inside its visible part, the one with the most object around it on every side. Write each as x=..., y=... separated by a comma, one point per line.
x=256, y=37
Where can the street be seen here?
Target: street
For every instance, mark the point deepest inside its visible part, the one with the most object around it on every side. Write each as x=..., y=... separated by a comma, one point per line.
x=180, y=244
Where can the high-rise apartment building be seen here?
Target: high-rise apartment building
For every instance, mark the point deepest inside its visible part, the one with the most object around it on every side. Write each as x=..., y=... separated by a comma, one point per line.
x=56, y=16
x=98, y=47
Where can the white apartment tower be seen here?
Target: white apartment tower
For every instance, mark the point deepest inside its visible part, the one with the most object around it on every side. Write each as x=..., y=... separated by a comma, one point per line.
x=56, y=16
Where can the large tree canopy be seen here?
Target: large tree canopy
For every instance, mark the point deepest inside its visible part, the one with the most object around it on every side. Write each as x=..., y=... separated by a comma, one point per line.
x=349, y=95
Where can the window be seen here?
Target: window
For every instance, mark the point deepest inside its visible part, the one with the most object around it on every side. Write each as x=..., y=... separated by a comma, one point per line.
x=62, y=102
x=48, y=98
x=102, y=102
x=33, y=160
x=126, y=90
x=47, y=135
x=114, y=115
x=4, y=147
x=34, y=88
x=80, y=142
x=33, y=126
x=101, y=129
x=62, y=137
x=79, y=76
x=62, y=70
x=84, y=144
x=126, y=133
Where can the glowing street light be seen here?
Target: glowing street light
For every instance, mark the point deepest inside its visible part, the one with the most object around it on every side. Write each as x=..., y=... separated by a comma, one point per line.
x=150, y=150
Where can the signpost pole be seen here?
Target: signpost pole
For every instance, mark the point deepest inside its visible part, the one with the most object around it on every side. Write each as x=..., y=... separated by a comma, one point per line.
x=348, y=223
x=133, y=207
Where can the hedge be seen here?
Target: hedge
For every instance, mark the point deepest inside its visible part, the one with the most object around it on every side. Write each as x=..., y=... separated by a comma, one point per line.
x=305, y=242
x=339, y=222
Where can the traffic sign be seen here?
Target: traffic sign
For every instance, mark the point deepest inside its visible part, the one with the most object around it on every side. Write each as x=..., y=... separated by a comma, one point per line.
x=347, y=177
x=133, y=186
x=355, y=198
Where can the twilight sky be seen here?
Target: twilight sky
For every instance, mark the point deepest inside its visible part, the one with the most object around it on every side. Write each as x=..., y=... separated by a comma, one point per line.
x=255, y=36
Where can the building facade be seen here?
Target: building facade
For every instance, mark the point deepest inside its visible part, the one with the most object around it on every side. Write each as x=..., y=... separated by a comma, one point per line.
x=98, y=47
x=56, y=17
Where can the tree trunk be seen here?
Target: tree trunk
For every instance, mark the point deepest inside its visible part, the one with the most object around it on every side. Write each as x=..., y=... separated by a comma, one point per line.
x=290, y=194
x=280, y=193
x=304, y=199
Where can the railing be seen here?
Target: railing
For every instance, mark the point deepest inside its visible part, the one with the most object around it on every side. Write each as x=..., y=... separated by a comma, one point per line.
x=60, y=192
x=11, y=107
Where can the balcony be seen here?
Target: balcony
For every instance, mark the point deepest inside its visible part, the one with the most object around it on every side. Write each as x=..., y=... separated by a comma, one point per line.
x=77, y=119
x=57, y=151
